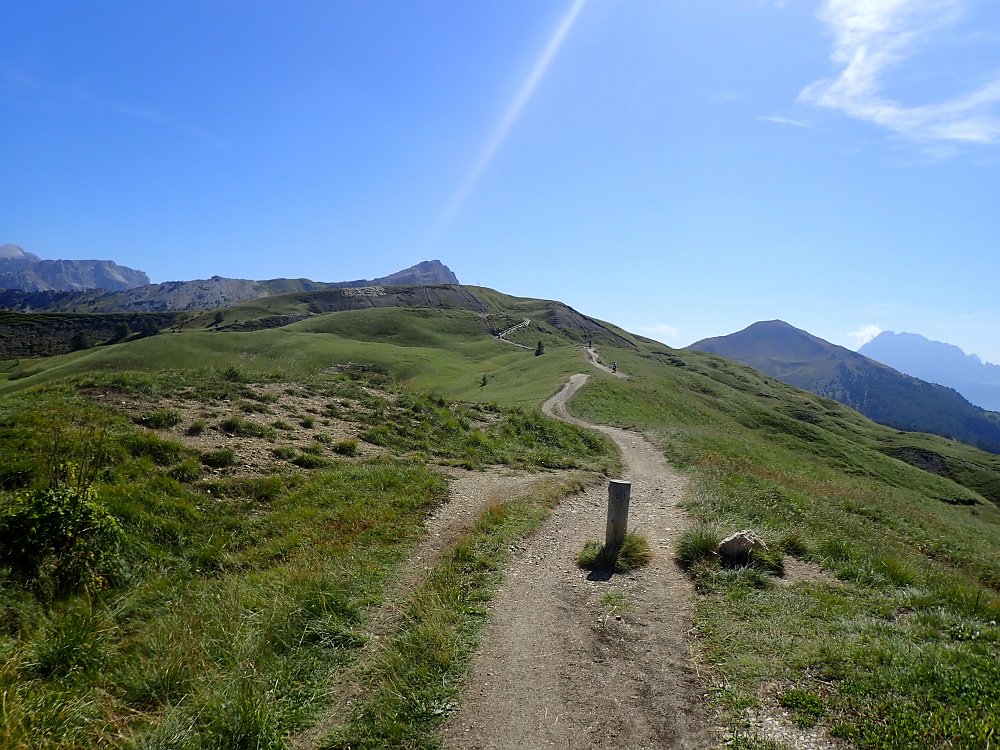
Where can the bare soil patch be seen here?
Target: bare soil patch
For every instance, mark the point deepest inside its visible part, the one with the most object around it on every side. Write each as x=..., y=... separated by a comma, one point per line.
x=288, y=417
x=773, y=723
x=800, y=570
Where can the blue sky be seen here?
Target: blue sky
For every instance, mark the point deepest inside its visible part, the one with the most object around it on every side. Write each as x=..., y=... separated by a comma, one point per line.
x=682, y=168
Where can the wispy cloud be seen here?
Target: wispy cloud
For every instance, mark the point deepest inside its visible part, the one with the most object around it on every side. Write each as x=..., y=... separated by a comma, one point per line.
x=77, y=96
x=151, y=115
x=873, y=37
x=777, y=120
x=19, y=77
x=863, y=335
x=659, y=331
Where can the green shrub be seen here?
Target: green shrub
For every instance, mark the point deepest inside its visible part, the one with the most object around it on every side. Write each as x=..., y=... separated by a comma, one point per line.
x=73, y=641
x=284, y=452
x=347, y=447
x=768, y=559
x=254, y=407
x=793, y=543
x=380, y=435
x=310, y=461
x=59, y=540
x=186, y=471
x=162, y=452
x=160, y=419
x=220, y=458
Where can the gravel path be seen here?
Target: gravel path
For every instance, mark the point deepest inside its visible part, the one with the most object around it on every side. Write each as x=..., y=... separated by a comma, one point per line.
x=577, y=660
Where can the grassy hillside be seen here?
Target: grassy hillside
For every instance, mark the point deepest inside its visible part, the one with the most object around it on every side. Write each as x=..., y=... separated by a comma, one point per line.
x=882, y=630
x=447, y=350
x=893, y=641
x=191, y=559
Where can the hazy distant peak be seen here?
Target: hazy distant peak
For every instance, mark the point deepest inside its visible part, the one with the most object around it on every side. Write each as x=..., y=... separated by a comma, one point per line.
x=13, y=252
x=938, y=362
x=27, y=272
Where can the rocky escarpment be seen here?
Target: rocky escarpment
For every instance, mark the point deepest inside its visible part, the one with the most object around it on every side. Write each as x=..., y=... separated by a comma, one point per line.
x=29, y=273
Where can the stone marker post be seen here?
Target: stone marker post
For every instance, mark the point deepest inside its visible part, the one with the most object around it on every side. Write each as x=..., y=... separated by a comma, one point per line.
x=619, y=492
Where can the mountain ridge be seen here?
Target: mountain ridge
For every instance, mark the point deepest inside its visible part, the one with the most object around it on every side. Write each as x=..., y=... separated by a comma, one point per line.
x=876, y=390
x=25, y=271
x=938, y=362
x=205, y=294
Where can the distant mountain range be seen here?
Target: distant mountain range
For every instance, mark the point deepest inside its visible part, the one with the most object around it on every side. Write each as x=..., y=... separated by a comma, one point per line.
x=937, y=362
x=29, y=273
x=874, y=389
x=200, y=294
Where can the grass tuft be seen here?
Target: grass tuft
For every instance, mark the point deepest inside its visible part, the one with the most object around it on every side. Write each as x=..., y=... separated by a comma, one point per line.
x=634, y=553
x=347, y=447
x=696, y=545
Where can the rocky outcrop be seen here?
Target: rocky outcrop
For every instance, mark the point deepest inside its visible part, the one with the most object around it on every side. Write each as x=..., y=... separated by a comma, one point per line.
x=736, y=548
x=425, y=273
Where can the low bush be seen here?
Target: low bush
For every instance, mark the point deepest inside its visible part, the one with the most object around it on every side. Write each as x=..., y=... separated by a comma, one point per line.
x=219, y=459
x=347, y=447
x=196, y=428
x=160, y=451
x=59, y=540
x=310, y=461
x=160, y=419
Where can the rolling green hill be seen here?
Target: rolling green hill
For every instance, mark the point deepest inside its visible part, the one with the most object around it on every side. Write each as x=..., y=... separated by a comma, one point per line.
x=877, y=391
x=888, y=641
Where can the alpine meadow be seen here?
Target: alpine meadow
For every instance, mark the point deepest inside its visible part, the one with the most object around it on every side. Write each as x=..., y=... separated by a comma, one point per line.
x=228, y=533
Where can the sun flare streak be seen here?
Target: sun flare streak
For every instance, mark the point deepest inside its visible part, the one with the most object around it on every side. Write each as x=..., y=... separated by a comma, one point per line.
x=513, y=112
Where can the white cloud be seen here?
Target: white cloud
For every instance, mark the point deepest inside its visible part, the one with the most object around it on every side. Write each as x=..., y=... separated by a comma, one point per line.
x=784, y=121
x=864, y=334
x=659, y=331
x=872, y=37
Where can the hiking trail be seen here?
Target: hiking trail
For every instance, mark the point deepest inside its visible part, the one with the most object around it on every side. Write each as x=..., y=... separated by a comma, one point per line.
x=580, y=660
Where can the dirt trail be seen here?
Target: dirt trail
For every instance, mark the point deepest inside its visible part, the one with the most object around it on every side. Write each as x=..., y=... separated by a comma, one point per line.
x=577, y=660
x=595, y=360
x=470, y=493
